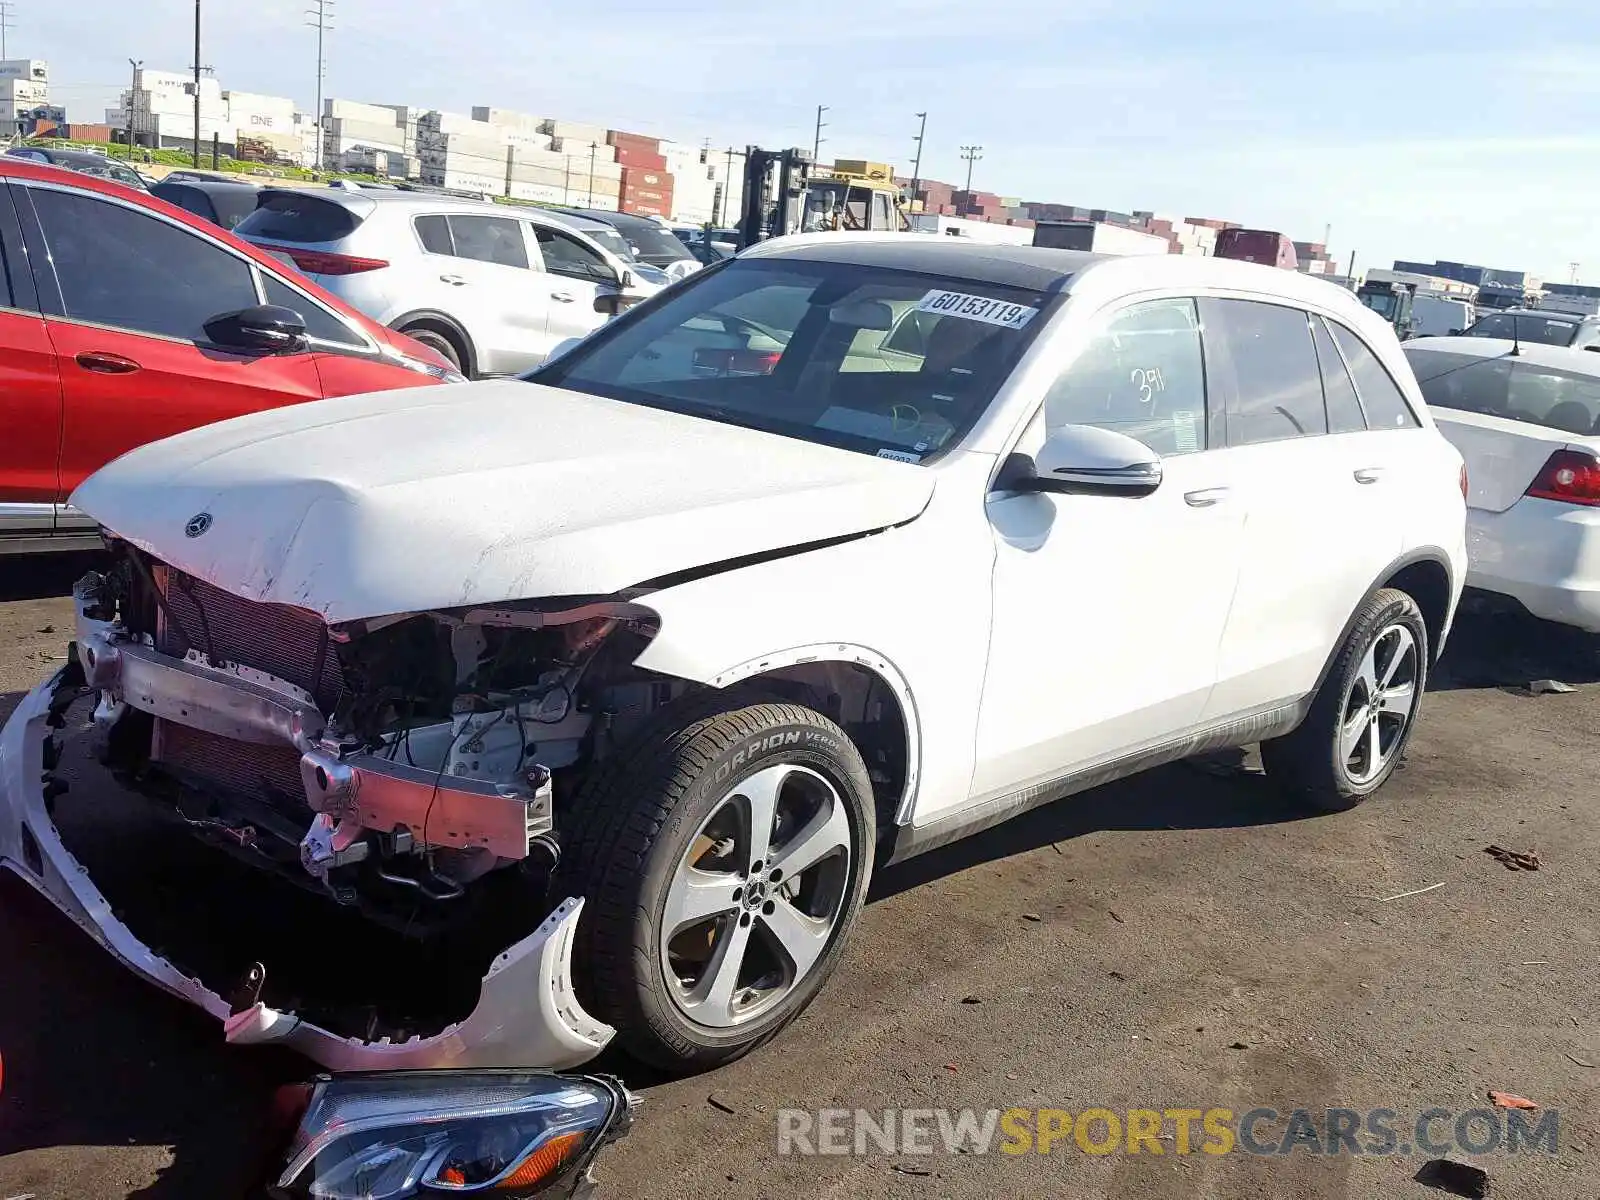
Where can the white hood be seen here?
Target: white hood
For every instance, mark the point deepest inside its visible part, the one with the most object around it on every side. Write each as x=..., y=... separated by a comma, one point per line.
x=439, y=497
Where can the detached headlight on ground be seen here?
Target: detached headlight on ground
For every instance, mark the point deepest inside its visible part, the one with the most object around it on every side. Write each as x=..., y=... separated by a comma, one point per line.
x=394, y=1136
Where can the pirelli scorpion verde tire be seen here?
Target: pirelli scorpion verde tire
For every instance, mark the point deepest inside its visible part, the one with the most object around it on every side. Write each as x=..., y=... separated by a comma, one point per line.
x=1361, y=719
x=724, y=856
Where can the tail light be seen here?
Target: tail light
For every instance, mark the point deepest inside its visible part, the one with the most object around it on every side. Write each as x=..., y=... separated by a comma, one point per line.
x=1571, y=477
x=325, y=262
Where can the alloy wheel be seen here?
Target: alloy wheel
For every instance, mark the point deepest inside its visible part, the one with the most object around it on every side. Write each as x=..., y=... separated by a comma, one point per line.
x=1379, y=705
x=757, y=896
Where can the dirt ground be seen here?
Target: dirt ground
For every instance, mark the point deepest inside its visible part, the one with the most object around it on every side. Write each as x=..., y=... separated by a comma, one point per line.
x=1184, y=939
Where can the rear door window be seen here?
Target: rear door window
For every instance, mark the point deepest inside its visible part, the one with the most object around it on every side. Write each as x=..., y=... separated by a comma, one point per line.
x=434, y=234
x=1344, y=409
x=1277, y=383
x=489, y=239
x=123, y=268
x=1385, y=404
x=1516, y=390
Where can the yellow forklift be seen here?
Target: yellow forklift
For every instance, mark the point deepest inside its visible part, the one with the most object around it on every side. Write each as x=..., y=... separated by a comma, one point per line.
x=785, y=192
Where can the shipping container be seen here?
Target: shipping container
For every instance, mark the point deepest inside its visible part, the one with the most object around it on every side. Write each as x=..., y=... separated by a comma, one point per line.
x=507, y=118
x=652, y=178
x=352, y=130
x=575, y=131
x=645, y=209
x=644, y=160
x=1096, y=237
x=351, y=110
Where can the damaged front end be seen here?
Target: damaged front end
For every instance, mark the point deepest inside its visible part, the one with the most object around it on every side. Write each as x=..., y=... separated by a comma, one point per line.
x=397, y=787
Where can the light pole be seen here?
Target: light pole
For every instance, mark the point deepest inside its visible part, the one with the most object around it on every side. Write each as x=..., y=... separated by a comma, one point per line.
x=818, y=139
x=133, y=102
x=594, y=148
x=916, y=168
x=972, y=154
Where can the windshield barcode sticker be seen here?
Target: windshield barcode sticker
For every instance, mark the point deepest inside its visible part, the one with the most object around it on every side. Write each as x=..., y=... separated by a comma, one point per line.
x=977, y=308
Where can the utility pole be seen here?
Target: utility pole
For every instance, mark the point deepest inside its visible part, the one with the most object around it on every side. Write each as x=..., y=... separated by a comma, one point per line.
x=197, y=83
x=1350, y=271
x=594, y=149
x=818, y=139
x=566, y=178
x=7, y=8
x=972, y=154
x=133, y=103
x=727, y=190
x=322, y=21
x=916, y=167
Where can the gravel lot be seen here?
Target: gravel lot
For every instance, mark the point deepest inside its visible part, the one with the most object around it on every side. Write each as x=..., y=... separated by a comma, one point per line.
x=1180, y=940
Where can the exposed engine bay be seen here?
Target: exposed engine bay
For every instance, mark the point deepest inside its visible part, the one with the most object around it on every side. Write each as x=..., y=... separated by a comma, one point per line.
x=392, y=764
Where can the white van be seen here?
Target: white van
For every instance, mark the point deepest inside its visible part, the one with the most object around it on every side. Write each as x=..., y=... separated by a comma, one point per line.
x=1440, y=316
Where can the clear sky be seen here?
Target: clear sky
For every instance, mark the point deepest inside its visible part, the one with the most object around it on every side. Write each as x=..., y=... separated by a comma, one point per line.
x=1460, y=129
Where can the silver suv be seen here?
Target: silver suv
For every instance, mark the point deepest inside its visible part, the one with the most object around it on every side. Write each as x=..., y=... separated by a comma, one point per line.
x=494, y=288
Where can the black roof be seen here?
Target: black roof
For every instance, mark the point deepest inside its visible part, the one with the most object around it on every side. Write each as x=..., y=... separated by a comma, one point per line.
x=212, y=187
x=75, y=158
x=1033, y=267
x=608, y=216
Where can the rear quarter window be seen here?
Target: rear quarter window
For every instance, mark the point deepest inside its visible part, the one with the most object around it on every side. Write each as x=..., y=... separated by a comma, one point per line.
x=283, y=217
x=1385, y=404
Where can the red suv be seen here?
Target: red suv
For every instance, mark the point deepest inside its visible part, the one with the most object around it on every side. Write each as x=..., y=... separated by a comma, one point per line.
x=124, y=319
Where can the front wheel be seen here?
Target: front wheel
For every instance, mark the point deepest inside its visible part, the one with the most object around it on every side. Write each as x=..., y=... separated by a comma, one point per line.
x=724, y=856
x=1360, y=721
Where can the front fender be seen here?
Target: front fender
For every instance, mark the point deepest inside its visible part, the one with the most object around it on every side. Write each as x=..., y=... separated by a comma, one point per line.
x=911, y=604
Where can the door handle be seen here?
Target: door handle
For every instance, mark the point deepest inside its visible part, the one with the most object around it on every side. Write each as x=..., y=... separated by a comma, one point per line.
x=1369, y=475
x=563, y=297
x=103, y=363
x=1205, y=497
x=453, y=280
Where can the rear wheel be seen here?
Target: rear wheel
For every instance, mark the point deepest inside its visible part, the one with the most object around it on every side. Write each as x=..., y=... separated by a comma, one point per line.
x=439, y=342
x=724, y=858
x=1356, y=732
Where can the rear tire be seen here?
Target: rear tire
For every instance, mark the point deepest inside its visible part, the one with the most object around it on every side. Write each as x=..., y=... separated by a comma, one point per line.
x=1356, y=732
x=695, y=942
x=439, y=342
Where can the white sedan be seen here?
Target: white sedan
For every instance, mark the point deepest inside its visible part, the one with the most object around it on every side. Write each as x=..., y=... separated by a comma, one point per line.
x=1527, y=420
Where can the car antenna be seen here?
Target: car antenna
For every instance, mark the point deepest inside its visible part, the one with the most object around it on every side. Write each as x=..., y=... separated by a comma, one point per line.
x=1516, y=336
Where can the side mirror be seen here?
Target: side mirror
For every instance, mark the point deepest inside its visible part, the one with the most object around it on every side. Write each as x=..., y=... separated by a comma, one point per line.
x=269, y=327
x=1086, y=458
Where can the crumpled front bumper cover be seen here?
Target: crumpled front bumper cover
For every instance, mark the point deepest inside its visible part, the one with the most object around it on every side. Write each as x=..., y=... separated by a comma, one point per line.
x=527, y=1013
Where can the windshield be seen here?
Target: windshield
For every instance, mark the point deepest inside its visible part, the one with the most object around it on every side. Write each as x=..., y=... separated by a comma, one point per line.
x=652, y=242
x=1511, y=388
x=612, y=241
x=1526, y=328
x=893, y=363
x=1380, y=302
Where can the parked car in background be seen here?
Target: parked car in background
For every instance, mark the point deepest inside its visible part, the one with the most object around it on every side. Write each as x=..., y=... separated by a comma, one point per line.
x=185, y=175
x=709, y=246
x=1528, y=425
x=1537, y=326
x=846, y=550
x=609, y=237
x=86, y=162
x=651, y=242
x=493, y=288
x=224, y=204
x=124, y=319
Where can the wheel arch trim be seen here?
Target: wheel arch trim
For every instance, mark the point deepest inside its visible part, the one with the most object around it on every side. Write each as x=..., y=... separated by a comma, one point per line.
x=470, y=367
x=880, y=665
x=1431, y=555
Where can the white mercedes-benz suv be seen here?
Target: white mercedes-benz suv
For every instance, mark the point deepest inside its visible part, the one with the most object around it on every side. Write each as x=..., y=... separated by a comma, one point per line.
x=610, y=685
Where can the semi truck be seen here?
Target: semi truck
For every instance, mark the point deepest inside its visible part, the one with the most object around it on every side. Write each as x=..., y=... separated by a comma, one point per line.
x=1265, y=246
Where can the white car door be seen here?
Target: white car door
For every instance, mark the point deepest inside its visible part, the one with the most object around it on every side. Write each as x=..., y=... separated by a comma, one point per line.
x=574, y=277
x=1318, y=527
x=1108, y=609
x=489, y=281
